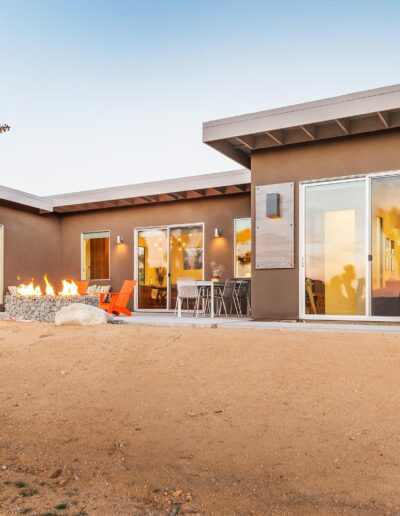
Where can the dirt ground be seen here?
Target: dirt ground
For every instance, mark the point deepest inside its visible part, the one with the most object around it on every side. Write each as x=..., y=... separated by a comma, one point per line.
x=146, y=420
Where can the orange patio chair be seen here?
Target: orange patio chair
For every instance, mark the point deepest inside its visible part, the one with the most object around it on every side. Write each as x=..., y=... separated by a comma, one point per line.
x=118, y=300
x=82, y=287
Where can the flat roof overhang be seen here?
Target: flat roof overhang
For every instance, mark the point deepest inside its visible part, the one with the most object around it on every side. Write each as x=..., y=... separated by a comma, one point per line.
x=23, y=199
x=367, y=111
x=192, y=187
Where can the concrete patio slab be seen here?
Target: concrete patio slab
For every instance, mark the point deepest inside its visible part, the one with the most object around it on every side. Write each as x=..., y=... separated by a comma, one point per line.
x=169, y=320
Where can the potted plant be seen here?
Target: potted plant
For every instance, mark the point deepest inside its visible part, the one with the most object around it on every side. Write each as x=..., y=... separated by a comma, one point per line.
x=160, y=274
x=217, y=271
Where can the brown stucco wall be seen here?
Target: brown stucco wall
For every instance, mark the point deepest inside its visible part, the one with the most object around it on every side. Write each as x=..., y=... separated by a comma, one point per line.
x=213, y=211
x=275, y=293
x=31, y=245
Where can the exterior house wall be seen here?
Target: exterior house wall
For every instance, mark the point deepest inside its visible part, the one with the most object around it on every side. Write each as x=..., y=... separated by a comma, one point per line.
x=275, y=293
x=215, y=212
x=31, y=245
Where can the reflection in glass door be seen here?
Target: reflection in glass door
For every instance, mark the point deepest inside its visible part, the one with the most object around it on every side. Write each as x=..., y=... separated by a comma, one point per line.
x=152, y=263
x=385, y=246
x=335, y=248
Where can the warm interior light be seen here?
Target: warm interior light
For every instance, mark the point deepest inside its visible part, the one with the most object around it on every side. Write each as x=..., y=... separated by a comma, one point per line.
x=120, y=239
x=217, y=232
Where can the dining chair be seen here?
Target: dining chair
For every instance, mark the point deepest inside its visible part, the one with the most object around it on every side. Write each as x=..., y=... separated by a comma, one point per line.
x=186, y=289
x=225, y=297
x=241, y=295
x=203, y=300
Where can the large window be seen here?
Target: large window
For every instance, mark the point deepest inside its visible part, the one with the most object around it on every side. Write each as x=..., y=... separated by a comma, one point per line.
x=242, y=249
x=96, y=255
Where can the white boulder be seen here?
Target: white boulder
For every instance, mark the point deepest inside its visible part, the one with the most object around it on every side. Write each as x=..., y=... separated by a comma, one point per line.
x=85, y=315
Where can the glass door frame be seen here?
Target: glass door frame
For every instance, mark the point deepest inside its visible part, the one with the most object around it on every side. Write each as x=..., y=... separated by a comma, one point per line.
x=367, y=179
x=168, y=228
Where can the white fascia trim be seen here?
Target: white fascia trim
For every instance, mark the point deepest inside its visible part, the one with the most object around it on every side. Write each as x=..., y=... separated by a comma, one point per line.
x=354, y=104
x=218, y=179
x=26, y=199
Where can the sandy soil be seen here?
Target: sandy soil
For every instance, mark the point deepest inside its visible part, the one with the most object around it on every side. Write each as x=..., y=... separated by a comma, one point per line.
x=141, y=420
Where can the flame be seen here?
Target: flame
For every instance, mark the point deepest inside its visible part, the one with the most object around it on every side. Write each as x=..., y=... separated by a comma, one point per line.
x=70, y=288
x=49, y=287
x=29, y=289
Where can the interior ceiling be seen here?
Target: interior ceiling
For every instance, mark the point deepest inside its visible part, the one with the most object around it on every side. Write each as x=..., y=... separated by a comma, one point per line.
x=153, y=199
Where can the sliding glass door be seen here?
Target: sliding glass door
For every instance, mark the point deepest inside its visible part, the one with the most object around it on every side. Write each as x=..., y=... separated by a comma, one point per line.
x=185, y=256
x=385, y=241
x=335, y=248
x=350, y=248
x=162, y=256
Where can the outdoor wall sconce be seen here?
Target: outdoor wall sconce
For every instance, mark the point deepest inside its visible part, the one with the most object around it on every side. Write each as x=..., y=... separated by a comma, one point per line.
x=120, y=239
x=217, y=232
x=273, y=211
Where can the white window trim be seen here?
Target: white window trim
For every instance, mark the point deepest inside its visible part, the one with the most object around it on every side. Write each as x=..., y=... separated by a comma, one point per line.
x=234, y=247
x=109, y=255
x=168, y=227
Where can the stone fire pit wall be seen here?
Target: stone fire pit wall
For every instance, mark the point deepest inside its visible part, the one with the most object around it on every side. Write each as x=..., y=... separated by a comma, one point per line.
x=42, y=308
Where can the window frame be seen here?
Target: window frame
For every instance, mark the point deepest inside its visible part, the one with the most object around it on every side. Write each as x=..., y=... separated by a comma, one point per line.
x=367, y=177
x=109, y=255
x=234, y=246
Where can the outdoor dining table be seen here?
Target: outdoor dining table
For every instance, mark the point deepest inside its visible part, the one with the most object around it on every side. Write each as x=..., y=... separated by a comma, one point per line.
x=204, y=283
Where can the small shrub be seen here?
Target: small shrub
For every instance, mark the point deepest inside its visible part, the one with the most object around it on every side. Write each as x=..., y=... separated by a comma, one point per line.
x=62, y=506
x=28, y=492
x=20, y=484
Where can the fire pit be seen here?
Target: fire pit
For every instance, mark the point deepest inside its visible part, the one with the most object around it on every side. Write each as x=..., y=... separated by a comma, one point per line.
x=30, y=304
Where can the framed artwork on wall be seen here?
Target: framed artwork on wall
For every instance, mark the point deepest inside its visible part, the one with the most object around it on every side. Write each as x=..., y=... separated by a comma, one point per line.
x=192, y=258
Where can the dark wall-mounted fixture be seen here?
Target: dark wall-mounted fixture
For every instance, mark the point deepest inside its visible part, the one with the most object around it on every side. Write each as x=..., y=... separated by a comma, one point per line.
x=273, y=208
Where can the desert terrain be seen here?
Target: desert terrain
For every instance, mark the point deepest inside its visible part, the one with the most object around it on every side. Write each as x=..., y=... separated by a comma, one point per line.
x=125, y=419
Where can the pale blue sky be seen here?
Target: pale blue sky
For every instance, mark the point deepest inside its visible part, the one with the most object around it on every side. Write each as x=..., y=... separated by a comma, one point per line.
x=102, y=93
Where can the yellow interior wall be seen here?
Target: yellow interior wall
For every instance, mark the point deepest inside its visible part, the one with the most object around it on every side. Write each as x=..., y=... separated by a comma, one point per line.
x=153, y=257
x=176, y=256
x=243, y=237
x=390, y=229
